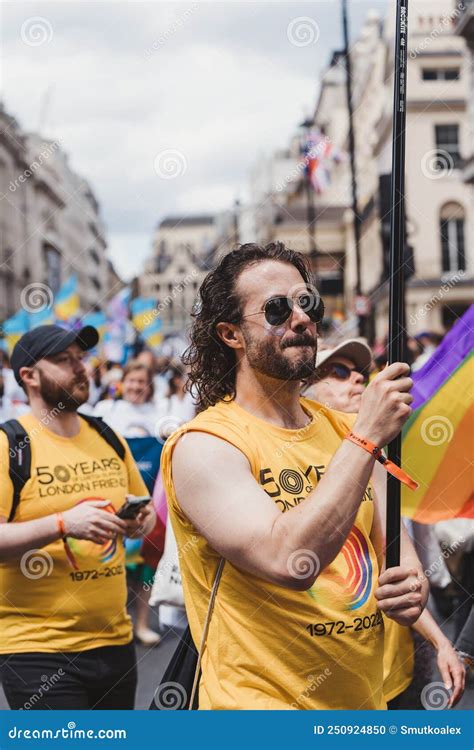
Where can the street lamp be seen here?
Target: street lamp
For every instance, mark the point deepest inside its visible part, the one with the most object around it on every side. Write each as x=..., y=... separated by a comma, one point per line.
x=306, y=125
x=361, y=314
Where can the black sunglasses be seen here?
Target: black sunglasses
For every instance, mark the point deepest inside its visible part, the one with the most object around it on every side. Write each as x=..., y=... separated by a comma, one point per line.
x=339, y=371
x=277, y=310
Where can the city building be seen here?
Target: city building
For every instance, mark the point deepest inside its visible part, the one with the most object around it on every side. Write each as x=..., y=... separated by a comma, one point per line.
x=50, y=223
x=185, y=249
x=439, y=208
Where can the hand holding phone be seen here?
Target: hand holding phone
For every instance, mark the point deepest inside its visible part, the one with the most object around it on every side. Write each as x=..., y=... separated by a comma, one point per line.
x=132, y=507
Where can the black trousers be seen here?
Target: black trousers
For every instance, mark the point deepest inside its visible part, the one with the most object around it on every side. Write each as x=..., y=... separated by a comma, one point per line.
x=104, y=678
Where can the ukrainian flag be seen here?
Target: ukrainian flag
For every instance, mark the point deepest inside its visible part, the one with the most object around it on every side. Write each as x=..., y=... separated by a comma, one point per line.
x=143, y=313
x=15, y=327
x=96, y=319
x=66, y=303
x=41, y=318
x=152, y=334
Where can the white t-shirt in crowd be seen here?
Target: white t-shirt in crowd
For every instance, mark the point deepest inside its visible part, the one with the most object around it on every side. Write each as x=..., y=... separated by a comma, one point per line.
x=161, y=386
x=129, y=420
x=13, y=392
x=183, y=410
x=10, y=410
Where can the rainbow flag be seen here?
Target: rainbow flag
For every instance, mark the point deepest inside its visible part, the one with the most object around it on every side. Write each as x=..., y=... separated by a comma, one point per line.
x=15, y=327
x=438, y=438
x=66, y=302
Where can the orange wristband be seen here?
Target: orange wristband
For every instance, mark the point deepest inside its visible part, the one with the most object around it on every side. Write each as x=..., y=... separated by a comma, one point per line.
x=392, y=468
x=67, y=549
x=60, y=525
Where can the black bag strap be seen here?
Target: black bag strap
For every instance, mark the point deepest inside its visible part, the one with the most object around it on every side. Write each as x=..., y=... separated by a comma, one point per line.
x=107, y=433
x=19, y=452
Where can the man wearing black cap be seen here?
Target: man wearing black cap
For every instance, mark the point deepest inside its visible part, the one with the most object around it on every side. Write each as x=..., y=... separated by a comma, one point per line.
x=65, y=636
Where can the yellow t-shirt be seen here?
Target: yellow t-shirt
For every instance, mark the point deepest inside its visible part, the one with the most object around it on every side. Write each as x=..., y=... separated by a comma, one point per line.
x=270, y=647
x=398, y=659
x=45, y=605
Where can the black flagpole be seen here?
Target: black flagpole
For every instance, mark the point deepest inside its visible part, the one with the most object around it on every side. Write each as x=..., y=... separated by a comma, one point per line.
x=397, y=242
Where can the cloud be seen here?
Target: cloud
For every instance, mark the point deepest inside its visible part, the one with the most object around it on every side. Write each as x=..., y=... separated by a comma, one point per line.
x=119, y=82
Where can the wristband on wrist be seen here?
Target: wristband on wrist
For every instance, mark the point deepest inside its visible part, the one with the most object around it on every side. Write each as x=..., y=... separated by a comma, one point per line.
x=62, y=531
x=388, y=465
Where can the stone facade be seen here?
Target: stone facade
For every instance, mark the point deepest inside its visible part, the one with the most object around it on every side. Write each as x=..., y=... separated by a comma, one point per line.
x=50, y=222
x=439, y=207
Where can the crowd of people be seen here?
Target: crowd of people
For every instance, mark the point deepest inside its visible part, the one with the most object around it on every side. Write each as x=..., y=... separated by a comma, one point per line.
x=285, y=599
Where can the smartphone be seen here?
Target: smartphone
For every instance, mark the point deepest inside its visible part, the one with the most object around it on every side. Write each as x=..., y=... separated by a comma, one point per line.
x=132, y=506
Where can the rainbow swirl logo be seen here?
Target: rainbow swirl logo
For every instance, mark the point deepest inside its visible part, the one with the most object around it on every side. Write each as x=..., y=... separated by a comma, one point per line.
x=83, y=548
x=358, y=581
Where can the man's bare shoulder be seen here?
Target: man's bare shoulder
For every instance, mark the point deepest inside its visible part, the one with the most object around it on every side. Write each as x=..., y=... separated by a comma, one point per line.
x=203, y=452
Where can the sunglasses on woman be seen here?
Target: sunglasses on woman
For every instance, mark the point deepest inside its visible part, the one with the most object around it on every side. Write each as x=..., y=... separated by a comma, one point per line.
x=278, y=309
x=339, y=371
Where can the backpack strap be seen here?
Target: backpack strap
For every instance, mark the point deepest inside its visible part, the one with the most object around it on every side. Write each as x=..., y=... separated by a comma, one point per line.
x=107, y=433
x=19, y=451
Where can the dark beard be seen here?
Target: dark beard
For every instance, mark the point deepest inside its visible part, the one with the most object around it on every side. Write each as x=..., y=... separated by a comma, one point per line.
x=58, y=397
x=265, y=357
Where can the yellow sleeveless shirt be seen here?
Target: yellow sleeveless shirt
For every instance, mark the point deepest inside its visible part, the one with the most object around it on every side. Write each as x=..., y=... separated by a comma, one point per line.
x=270, y=647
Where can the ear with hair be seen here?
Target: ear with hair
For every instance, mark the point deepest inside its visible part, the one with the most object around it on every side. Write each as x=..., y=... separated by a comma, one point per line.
x=229, y=334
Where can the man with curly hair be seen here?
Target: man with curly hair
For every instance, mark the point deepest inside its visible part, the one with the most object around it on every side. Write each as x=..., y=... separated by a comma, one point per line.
x=267, y=481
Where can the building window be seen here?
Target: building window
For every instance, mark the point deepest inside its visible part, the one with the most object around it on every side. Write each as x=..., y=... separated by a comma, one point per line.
x=447, y=144
x=94, y=255
x=95, y=281
x=453, y=257
x=53, y=267
x=440, y=74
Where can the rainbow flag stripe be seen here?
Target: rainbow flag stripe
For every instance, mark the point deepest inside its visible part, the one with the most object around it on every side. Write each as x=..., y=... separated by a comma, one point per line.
x=358, y=582
x=438, y=438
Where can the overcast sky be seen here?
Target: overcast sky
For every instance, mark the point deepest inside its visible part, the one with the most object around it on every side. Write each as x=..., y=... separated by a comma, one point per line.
x=210, y=84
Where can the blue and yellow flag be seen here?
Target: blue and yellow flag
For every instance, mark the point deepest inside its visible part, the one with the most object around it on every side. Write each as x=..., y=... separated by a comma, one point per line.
x=66, y=303
x=15, y=327
x=143, y=312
